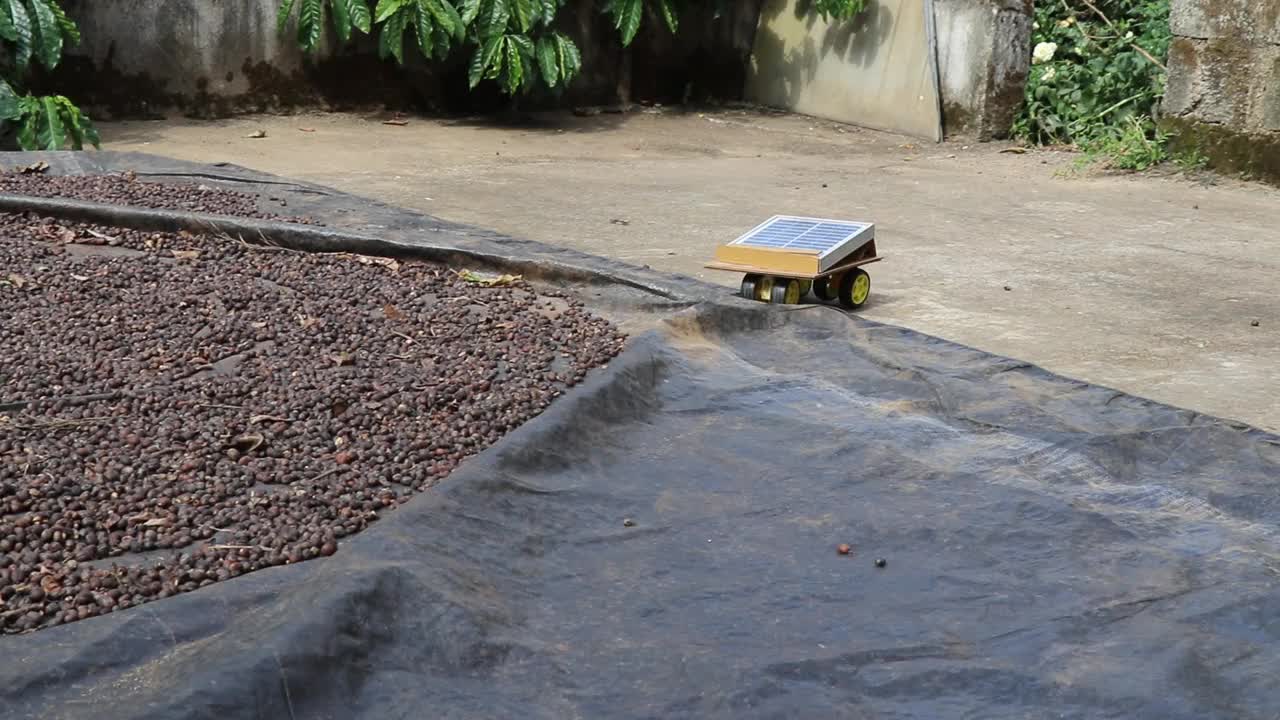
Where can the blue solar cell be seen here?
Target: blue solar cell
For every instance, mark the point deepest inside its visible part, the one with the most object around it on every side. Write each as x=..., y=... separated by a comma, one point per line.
x=809, y=234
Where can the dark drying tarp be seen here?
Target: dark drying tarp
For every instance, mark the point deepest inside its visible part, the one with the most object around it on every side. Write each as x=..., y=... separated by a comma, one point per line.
x=1053, y=549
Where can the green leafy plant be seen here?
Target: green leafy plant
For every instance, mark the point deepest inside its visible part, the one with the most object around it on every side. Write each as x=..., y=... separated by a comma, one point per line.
x=1135, y=144
x=1097, y=78
x=511, y=42
x=36, y=32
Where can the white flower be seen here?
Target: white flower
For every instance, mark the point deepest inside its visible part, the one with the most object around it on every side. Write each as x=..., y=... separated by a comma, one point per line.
x=1049, y=74
x=1044, y=52
x=1128, y=35
x=1035, y=26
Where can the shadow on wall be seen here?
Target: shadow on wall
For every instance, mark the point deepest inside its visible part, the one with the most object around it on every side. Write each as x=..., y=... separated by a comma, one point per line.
x=856, y=41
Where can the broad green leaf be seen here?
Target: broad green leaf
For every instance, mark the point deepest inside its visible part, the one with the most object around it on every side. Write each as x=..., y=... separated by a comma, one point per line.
x=310, y=24
x=523, y=44
x=7, y=30
x=495, y=21
x=27, y=131
x=548, y=11
x=282, y=17
x=23, y=45
x=629, y=14
x=547, y=61
x=522, y=11
x=515, y=68
x=468, y=10
x=46, y=34
x=493, y=56
x=424, y=29
x=391, y=42
x=341, y=19
x=571, y=59
x=475, y=70
x=667, y=9
x=72, y=118
x=446, y=16
x=68, y=26
x=441, y=41
x=387, y=8
x=484, y=59
x=10, y=107
x=50, y=132
x=358, y=11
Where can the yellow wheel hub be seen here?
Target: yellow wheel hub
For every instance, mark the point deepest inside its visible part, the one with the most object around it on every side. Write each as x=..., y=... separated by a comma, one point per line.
x=764, y=289
x=793, y=292
x=861, y=288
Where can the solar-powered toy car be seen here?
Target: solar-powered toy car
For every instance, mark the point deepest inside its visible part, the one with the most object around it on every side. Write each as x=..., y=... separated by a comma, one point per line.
x=785, y=257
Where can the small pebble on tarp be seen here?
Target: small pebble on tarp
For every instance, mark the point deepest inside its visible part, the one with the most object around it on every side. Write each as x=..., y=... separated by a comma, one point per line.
x=881, y=562
x=1255, y=323
x=628, y=522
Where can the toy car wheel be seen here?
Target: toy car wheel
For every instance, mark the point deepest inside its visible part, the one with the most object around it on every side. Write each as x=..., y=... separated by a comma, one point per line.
x=749, y=285
x=786, y=291
x=855, y=286
x=824, y=289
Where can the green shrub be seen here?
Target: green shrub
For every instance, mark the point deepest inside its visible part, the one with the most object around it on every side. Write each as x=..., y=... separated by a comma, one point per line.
x=36, y=31
x=511, y=42
x=1097, y=78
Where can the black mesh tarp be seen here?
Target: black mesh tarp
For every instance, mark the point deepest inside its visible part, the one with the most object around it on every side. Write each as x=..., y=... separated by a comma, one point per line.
x=1053, y=550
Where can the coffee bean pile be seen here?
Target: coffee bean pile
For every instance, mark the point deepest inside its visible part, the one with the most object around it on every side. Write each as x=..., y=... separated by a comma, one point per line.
x=127, y=189
x=177, y=410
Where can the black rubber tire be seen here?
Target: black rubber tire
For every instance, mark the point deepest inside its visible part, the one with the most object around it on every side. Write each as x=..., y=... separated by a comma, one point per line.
x=852, y=279
x=823, y=290
x=748, y=288
x=786, y=291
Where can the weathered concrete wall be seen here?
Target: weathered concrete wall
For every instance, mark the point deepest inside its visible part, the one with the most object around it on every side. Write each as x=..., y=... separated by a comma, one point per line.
x=212, y=58
x=984, y=55
x=1223, y=93
x=983, y=59
x=876, y=70
x=215, y=58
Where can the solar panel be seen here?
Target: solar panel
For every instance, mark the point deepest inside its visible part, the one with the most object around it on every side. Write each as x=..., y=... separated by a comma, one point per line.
x=829, y=239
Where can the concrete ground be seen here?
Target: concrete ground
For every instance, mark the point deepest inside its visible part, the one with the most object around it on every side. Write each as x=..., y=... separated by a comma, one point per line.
x=1146, y=284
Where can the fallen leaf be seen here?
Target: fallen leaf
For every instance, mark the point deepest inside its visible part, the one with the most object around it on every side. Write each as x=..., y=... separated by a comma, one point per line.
x=102, y=236
x=486, y=280
x=81, y=278
x=1015, y=150
x=392, y=313
x=254, y=420
x=385, y=262
x=307, y=322
x=620, y=221
x=248, y=442
x=67, y=235
x=17, y=280
x=395, y=122
x=307, y=129
x=156, y=522
x=256, y=134
x=344, y=359
x=185, y=254
x=34, y=168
